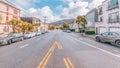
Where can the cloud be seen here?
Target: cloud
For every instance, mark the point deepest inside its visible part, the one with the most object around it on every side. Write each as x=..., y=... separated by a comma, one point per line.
x=24, y=3
x=44, y=11
x=75, y=9
x=60, y=7
x=68, y=1
x=95, y=3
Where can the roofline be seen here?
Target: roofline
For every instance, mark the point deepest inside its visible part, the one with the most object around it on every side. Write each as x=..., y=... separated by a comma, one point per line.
x=9, y=5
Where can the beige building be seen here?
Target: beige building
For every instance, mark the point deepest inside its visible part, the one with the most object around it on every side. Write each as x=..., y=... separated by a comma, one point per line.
x=44, y=27
x=7, y=13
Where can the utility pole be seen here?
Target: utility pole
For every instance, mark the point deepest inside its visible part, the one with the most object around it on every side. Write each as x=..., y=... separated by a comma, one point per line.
x=44, y=21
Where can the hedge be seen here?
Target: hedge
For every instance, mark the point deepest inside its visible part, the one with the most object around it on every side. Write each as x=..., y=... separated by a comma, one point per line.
x=89, y=32
x=72, y=30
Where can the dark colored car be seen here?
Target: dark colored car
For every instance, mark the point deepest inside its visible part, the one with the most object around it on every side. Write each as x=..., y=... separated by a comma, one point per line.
x=14, y=37
x=111, y=37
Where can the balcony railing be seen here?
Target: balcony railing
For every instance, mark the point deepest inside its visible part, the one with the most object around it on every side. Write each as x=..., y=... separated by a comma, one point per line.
x=114, y=20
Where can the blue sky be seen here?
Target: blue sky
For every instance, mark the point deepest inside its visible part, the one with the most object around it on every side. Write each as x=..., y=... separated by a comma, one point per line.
x=55, y=9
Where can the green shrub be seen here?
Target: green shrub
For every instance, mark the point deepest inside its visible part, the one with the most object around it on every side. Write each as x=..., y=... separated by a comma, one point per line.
x=72, y=30
x=89, y=32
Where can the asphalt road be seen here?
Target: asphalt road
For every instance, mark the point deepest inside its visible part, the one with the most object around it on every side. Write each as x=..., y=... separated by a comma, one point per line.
x=59, y=50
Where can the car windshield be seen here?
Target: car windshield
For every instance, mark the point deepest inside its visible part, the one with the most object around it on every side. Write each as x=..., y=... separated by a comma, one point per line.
x=114, y=34
x=11, y=35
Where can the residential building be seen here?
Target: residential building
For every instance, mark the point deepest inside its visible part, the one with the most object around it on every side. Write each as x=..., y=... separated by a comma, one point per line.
x=44, y=27
x=7, y=13
x=74, y=26
x=108, y=17
x=92, y=18
x=32, y=20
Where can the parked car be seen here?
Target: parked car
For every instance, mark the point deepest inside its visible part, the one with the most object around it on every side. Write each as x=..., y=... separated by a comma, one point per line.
x=14, y=37
x=37, y=33
x=32, y=34
x=27, y=36
x=111, y=37
x=68, y=31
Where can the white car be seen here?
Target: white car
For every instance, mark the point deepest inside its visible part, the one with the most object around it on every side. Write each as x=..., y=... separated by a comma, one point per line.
x=29, y=35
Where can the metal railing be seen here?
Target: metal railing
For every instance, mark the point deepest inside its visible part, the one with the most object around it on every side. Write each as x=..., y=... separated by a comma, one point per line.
x=114, y=20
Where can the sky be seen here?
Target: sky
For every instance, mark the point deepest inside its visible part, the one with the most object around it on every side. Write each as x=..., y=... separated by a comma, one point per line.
x=55, y=10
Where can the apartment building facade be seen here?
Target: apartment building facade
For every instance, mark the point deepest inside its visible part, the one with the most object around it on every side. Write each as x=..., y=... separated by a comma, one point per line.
x=92, y=18
x=7, y=13
x=108, y=17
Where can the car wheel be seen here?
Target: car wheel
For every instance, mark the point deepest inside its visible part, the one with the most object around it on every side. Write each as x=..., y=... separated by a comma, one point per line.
x=9, y=42
x=117, y=43
x=22, y=39
x=98, y=39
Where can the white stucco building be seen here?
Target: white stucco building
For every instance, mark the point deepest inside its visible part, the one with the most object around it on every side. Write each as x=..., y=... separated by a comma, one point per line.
x=74, y=26
x=7, y=13
x=92, y=18
x=108, y=17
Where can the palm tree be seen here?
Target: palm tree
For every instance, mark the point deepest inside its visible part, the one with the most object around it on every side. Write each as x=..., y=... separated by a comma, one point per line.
x=14, y=23
x=81, y=21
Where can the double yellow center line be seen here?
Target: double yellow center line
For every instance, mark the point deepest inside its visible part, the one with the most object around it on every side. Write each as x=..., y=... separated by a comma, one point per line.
x=48, y=55
x=68, y=63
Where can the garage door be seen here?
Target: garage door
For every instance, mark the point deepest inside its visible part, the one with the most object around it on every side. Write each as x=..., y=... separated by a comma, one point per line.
x=114, y=29
x=102, y=30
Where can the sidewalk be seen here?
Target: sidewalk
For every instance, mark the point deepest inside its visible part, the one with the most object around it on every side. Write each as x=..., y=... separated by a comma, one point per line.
x=3, y=35
x=84, y=35
x=89, y=36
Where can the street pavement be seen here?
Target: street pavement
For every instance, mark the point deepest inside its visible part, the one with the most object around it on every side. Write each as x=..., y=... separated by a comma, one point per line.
x=58, y=49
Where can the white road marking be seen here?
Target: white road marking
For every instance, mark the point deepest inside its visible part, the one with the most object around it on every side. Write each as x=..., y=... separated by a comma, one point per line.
x=80, y=38
x=105, y=51
x=117, y=51
x=24, y=45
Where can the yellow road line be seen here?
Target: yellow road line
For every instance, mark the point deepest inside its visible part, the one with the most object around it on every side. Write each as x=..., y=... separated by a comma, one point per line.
x=66, y=63
x=46, y=58
x=59, y=45
x=71, y=64
x=49, y=53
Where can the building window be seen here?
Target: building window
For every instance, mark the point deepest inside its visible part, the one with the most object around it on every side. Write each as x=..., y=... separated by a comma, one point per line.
x=7, y=9
x=100, y=11
x=112, y=4
x=6, y=29
x=101, y=19
x=113, y=18
x=15, y=11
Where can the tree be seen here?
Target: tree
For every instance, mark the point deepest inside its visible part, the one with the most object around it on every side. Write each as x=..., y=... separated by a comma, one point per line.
x=65, y=26
x=51, y=27
x=36, y=25
x=25, y=26
x=30, y=27
x=14, y=23
x=81, y=21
